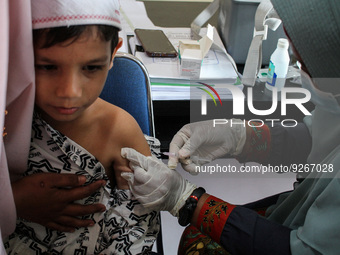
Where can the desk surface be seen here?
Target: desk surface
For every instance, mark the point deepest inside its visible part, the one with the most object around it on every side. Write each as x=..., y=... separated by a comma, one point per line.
x=170, y=116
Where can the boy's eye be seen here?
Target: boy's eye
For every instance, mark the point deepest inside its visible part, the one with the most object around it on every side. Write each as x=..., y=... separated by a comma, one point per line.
x=93, y=68
x=45, y=67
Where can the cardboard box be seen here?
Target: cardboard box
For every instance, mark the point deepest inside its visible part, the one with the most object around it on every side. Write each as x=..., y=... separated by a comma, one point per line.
x=192, y=52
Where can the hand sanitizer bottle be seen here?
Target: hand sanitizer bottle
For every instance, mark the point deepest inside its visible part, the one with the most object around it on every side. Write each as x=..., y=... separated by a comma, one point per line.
x=278, y=66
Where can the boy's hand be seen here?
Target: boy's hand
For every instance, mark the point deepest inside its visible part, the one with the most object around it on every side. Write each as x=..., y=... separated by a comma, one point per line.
x=48, y=199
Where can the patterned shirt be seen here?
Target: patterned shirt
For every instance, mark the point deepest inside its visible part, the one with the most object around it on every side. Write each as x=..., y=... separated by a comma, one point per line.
x=126, y=227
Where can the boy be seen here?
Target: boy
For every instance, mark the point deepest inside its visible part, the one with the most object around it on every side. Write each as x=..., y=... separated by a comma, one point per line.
x=74, y=131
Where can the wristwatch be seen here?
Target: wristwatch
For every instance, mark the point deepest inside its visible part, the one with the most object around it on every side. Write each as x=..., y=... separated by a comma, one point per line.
x=186, y=212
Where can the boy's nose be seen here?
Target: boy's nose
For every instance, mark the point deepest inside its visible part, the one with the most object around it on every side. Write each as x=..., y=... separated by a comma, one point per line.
x=69, y=87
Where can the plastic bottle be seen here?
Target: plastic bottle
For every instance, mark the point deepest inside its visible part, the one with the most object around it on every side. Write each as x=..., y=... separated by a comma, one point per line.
x=278, y=66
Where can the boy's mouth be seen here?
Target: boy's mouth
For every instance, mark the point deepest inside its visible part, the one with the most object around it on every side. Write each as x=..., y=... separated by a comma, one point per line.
x=66, y=111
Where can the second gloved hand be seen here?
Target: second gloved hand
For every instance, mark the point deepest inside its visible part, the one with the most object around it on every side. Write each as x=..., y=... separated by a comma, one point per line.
x=201, y=142
x=154, y=185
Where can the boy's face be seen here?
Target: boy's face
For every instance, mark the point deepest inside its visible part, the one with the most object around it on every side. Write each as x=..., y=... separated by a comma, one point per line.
x=71, y=75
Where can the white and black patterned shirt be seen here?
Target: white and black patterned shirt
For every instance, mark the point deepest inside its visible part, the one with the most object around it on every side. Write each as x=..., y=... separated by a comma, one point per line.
x=126, y=227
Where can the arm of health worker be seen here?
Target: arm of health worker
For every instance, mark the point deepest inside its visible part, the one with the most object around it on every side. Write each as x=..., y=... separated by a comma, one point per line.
x=238, y=229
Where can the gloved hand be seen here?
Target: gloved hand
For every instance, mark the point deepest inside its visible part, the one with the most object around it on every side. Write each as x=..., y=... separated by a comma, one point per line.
x=154, y=185
x=199, y=143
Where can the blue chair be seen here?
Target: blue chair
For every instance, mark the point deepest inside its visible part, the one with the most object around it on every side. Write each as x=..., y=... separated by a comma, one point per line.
x=128, y=86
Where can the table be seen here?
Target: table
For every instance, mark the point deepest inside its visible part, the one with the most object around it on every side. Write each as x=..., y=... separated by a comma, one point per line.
x=170, y=116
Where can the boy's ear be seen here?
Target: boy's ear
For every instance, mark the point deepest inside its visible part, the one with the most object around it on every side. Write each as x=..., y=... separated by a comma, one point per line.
x=120, y=43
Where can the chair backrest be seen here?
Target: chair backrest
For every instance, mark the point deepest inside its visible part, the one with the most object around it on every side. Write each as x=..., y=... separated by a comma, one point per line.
x=128, y=86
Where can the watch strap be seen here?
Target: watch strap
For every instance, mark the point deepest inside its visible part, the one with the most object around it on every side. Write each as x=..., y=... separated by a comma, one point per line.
x=186, y=212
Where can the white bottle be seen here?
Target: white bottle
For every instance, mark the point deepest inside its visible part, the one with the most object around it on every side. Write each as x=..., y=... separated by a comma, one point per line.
x=278, y=66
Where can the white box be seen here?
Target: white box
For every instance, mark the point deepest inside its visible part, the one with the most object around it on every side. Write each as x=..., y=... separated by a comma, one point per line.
x=192, y=52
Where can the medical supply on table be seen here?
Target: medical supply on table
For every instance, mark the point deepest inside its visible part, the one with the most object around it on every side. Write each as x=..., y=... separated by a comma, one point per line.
x=278, y=66
x=192, y=52
x=236, y=23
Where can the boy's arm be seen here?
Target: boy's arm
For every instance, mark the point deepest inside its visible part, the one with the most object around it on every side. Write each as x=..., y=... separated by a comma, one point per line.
x=130, y=135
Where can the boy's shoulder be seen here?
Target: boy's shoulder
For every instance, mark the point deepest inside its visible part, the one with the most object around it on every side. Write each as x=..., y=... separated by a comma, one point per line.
x=119, y=128
x=114, y=118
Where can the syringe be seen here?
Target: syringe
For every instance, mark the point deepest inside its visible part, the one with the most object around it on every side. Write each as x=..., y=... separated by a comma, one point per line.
x=169, y=154
x=194, y=158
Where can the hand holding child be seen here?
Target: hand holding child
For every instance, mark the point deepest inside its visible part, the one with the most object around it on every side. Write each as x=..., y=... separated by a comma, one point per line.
x=48, y=199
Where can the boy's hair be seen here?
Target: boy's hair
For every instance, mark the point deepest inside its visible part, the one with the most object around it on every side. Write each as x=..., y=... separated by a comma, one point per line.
x=55, y=35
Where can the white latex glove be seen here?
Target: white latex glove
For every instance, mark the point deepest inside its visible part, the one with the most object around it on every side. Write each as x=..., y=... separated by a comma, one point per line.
x=199, y=143
x=154, y=185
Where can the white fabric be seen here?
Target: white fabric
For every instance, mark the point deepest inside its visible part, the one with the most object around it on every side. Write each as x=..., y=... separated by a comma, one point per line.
x=59, y=13
x=17, y=96
x=154, y=185
x=201, y=142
